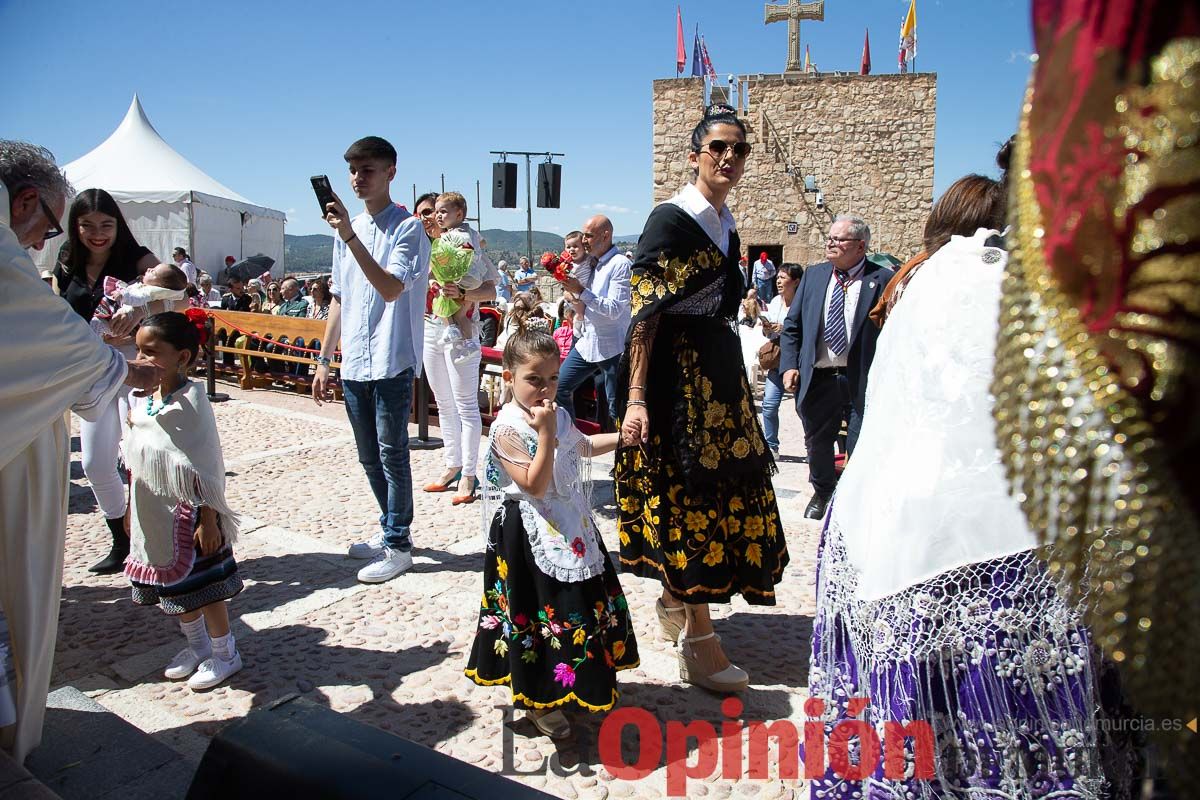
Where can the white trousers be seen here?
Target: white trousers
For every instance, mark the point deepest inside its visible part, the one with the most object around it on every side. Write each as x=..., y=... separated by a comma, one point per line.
x=456, y=391
x=33, y=525
x=100, y=445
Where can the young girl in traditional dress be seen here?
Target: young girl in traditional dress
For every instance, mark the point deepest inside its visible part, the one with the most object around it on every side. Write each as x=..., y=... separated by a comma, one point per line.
x=553, y=623
x=182, y=530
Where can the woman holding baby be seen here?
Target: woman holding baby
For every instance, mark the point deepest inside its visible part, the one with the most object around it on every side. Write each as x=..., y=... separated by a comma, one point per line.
x=101, y=246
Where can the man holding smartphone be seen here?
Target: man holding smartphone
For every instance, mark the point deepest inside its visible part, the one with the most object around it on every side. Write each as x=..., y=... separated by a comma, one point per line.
x=380, y=272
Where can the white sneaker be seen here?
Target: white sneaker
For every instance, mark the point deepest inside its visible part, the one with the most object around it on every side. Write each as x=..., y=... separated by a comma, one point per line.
x=452, y=335
x=214, y=671
x=386, y=566
x=463, y=351
x=368, y=549
x=184, y=664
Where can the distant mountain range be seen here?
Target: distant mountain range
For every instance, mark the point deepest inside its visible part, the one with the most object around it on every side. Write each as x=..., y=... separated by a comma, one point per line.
x=314, y=253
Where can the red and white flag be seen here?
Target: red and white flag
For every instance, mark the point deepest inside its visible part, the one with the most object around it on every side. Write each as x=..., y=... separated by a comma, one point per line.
x=708, y=66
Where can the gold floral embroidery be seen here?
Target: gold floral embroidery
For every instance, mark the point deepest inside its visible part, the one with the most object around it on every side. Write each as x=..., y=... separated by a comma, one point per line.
x=671, y=276
x=715, y=554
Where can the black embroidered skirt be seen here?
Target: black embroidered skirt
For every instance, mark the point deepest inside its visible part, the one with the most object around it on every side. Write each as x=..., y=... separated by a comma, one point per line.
x=554, y=643
x=696, y=506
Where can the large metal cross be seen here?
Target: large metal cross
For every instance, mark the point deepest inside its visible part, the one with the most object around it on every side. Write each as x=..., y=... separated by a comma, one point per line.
x=793, y=12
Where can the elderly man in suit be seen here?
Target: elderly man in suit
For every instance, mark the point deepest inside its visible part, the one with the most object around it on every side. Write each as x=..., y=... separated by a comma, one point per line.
x=827, y=346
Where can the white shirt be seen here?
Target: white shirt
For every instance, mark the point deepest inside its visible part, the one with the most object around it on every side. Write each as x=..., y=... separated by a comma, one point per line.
x=825, y=356
x=776, y=313
x=764, y=270
x=380, y=340
x=189, y=269
x=606, y=308
x=214, y=296
x=718, y=225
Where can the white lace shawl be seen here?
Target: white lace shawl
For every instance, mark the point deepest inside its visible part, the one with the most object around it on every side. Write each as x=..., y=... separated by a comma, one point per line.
x=563, y=537
x=925, y=491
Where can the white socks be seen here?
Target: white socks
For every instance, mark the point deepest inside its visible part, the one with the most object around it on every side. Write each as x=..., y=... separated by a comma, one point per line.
x=197, y=637
x=223, y=647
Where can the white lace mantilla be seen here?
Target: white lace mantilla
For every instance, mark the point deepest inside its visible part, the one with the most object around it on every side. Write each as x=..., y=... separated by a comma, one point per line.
x=931, y=599
x=563, y=537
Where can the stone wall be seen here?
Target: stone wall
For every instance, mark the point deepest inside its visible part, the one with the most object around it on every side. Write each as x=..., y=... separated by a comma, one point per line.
x=867, y=139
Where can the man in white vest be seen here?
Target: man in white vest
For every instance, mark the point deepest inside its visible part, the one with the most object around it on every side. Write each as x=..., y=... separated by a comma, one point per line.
x=52, y=363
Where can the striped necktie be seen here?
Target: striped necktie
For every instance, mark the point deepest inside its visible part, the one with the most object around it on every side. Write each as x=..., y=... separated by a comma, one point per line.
x=835, y=320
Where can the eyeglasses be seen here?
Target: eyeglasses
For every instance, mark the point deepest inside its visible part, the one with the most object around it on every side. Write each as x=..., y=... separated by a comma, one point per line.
x=717, y=148
x=55, y=228
x=836, y=240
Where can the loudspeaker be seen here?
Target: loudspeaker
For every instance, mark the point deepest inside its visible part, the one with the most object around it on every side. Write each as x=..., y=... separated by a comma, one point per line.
x=504, y=185
x=302, y=751
x=549, y=185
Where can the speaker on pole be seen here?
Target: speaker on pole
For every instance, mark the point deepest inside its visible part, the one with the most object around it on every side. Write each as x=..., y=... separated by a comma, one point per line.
x=504, y=185
x=549, y=185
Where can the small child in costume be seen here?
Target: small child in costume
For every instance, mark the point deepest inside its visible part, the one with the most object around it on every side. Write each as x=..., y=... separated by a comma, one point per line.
x=457, y=257
x=181, y=529
x=564, y=334
x=162, y=288
x=554, y=624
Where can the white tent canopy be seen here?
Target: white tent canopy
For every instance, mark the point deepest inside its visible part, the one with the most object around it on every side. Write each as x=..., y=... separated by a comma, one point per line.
x=169, y=202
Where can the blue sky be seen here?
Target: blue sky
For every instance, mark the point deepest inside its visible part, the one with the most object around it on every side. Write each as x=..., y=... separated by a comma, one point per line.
x=263, y=95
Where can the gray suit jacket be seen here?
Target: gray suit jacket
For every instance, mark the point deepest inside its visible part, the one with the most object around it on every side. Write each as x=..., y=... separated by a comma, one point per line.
x=803, y=326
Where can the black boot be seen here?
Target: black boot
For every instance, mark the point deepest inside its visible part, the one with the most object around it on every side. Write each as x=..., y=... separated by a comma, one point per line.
x=114, y=562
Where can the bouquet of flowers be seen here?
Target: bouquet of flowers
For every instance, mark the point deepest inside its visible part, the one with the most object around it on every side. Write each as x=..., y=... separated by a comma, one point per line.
x=449, y=261
x=559, y=266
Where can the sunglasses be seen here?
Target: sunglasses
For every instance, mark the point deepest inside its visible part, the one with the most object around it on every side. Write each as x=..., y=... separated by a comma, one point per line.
x=55, y=228
x=717, y=148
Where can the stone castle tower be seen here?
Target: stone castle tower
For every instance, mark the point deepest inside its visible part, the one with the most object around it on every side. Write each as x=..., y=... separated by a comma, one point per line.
x=867, y=140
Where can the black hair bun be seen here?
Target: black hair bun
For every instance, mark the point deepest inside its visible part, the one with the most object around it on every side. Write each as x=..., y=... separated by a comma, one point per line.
x=719, y=110
x=1004, y=156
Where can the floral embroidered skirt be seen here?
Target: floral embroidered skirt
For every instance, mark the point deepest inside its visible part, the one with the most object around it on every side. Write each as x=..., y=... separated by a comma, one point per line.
x=716, y=532
x=554, y=643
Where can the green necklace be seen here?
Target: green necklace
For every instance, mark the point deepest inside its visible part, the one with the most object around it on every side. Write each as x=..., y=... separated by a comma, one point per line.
x=151, y=411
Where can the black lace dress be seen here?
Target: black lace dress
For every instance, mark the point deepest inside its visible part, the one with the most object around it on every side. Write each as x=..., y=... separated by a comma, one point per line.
x=696, y=507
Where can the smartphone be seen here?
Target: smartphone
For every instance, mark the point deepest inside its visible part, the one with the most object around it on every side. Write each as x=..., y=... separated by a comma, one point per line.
x=324, y=192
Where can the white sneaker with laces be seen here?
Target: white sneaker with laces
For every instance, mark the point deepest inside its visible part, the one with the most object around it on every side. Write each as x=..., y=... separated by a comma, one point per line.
x=184, y=664
x=368, y=549
x=214, y=671
x=386, y=566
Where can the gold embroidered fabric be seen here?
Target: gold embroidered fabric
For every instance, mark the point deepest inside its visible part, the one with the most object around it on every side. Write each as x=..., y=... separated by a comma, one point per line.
x=1097, y=379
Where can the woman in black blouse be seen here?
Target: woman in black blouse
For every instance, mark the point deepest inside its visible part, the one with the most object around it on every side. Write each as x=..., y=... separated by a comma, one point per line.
x=693, y=477
x=101, y=246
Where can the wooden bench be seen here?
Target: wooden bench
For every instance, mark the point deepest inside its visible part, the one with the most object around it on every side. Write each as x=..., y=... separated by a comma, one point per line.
x=262, y=358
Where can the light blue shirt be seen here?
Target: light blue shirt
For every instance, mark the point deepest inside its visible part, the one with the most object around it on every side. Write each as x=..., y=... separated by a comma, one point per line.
x=606, y=308
x=379, y=339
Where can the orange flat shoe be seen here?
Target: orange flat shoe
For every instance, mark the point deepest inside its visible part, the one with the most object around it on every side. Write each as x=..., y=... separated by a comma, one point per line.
x=442, y=487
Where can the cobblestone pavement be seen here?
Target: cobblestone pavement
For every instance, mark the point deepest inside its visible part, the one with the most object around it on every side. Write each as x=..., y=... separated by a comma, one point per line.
x=392, y=655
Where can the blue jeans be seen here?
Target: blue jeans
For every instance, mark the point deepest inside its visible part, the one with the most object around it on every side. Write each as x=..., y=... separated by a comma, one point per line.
x=378, y=412
x=766, y=288
x=574, y=371
x=772, y=396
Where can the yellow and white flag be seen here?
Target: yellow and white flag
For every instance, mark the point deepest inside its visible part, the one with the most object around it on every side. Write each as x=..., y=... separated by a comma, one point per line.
x=908, y=36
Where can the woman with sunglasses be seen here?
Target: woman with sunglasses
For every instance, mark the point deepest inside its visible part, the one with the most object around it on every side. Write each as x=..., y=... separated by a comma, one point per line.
x=102, y=246
x=693, y=475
